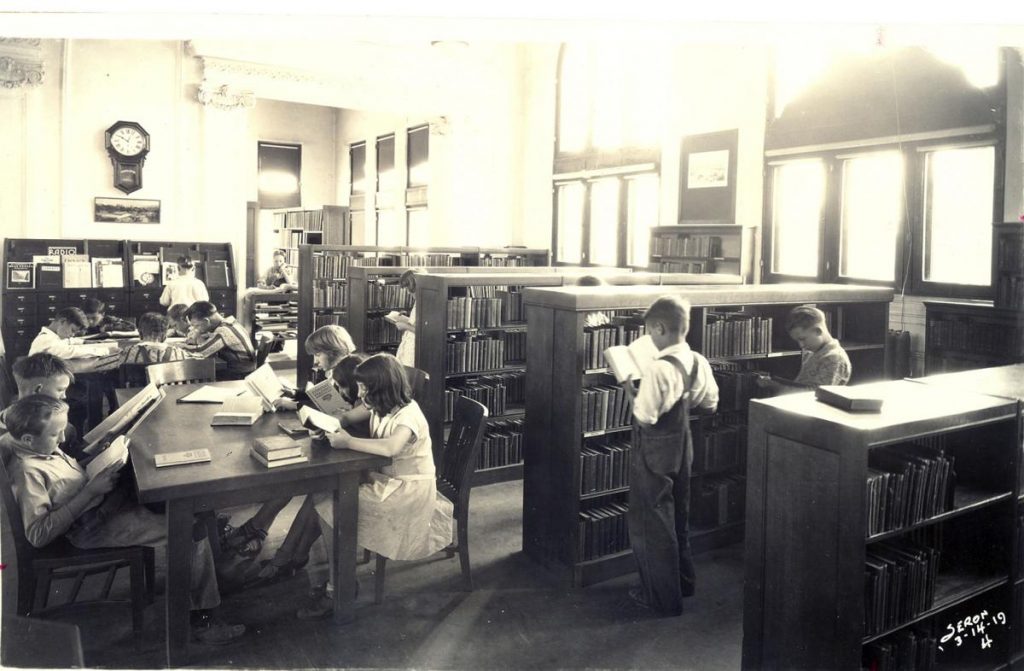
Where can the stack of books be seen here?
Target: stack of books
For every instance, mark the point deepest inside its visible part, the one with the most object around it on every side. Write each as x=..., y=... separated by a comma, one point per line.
x=274, y=451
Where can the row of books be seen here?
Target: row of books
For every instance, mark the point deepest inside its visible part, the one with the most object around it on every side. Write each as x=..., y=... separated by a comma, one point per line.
x=603, y=530
x=307, y=220
x=75, y=271
x=277, y=317
x=1010, y=292
x=326, y=319
x=274, y=451
x=380, y=332
x=466, y=313
x=479, y=353
x=736, y=334
x=1010, y=252
x=604, y=407
x=679, y=267
x=504, y=261
x=390, y=296
x=515, y=345
x=327, y=294
x=502, y=444
x=907, y=484
x=512, y=309
x=906, y=650
x=604, y=465
x=495, y=392
x=972, y=336
x=686, y=245
x=735, y=387
x=717, y=449
x=718, y=501
x=899, y=584
x=599, y=338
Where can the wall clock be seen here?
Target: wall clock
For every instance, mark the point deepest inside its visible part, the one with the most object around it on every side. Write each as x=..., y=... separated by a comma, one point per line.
x=127, y=144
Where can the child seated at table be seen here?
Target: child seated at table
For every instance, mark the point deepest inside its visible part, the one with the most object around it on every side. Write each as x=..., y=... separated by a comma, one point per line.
x=401, y=513
x=328, y=345
x=58, y=499
x=227, y=340
x=100, y=322
x=61, y=339
x=177, y=324
x=48, y=375
x=151, y=347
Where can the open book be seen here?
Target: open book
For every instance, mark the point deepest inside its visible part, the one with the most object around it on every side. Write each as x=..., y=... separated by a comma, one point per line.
x=631, y=360
x=265, y=385
x=128, y=414
x=318, y=421
x=326, y=397
x=115, y=456
x=394, y=317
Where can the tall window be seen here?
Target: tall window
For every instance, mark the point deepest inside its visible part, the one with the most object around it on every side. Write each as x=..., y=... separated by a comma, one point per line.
x=279, y=171
x=390, y=220
x=797, y=197
x=872, y=202
x=357, y=189
x=417, y=191
x=958, y=215
x=611, y=104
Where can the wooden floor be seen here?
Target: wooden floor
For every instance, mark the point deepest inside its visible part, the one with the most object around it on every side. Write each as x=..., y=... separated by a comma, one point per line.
x=518, y=617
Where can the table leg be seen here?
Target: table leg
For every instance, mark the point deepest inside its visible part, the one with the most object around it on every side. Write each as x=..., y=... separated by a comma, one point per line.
x=346, y=516
x=179, y=578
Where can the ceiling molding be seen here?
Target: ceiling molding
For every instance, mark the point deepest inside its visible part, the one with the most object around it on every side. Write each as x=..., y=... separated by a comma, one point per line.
x=21, y=62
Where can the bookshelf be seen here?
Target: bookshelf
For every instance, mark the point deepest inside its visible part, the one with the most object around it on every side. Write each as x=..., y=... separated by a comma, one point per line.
x=277, y=314
x=707, y=248
x=837, y=514
x=1008, y=265
x=324, y=277
x=560, y=510
x=27, y=308
x=327, y=226
x=965, y=334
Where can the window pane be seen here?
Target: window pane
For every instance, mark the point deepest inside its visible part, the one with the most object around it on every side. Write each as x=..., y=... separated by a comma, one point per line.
x=604, y=222
x=641, y=215
x=385, y=163
x=958, y=216
x=608, y=100
x=418, y=155
x=573, y=99
x=419, y=227
x=390, y=227
x=279, y=166
x=872, y=206
x=570, y=222
x=357, y=165
x=796, y=214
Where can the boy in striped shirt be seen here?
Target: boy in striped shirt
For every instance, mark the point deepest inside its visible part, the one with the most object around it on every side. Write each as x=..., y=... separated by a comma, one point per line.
x=151, y=348
x=226, y=340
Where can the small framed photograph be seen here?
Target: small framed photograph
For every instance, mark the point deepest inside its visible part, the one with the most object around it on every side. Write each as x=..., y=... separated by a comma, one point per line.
x=126, y=211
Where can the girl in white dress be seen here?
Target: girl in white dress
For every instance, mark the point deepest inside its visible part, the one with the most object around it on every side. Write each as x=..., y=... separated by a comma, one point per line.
x=401, y=513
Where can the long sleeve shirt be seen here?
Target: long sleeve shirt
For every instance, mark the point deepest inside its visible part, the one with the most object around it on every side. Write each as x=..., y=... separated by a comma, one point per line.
x=230, y=342
x=662, y=385
x=829, y=365
x=46, y=488
x=82, y=358
x=185, y=290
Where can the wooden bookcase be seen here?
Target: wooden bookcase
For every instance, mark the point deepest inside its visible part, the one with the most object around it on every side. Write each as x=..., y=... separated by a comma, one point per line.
x=26, y=310
x=816, y=555
x=324, y=292
x=329, y=225
x=560, y=372
x=707, y=248
x=1008, y=265
x=435, y=334
x=965, y=334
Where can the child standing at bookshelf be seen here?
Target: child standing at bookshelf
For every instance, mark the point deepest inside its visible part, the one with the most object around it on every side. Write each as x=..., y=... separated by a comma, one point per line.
x=58, y=499
x=401, y=513
x=822, y=359
x=406, y=353
x=186, y=288
x=662, y=455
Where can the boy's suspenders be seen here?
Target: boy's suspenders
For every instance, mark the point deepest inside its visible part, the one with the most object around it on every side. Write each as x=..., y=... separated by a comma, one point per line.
x=688, y=377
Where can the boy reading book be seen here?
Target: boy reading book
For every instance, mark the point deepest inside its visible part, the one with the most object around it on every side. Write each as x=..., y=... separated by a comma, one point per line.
x=100, y=322
x=46, y=374
x=822, y=358
x=61, y=339
x=677, y=381
x=227, y=340
x=59, y=498
x=151, y=347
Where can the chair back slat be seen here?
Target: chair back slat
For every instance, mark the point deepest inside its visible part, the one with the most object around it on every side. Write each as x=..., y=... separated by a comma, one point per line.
x=133, y=375
x=183, y=372
x=463, y=447
x=417, y=382
x=23, y=550
x=263, y=346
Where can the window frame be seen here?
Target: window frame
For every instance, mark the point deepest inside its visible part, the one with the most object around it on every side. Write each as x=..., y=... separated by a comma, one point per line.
x=909, y=249
x=260, y=144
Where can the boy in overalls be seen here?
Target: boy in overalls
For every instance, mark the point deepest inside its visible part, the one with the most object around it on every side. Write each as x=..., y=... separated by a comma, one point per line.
x=659, y=496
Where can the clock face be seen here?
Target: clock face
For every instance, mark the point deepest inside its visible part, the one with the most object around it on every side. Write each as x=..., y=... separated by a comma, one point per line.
x=127, y=141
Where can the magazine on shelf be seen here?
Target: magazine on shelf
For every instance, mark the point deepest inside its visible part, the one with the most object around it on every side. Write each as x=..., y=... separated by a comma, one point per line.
x=146, y=270
x=20, y=275
x=77, y=272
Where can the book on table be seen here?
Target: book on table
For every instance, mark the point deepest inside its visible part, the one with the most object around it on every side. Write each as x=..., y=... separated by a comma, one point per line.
x=182, y=458
x=318, y=421
x=326, y=397
x=239, y=411
x=113, y=457
x=851, y=399
x=631, y=361
x=293, y=427
x=275, y=448
x=265, y=385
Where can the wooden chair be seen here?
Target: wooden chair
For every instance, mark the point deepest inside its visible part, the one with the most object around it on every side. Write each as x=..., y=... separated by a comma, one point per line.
x=8, y=388
x=455, y=481
x=263, y=346
x=183, y=372
x=132, y=375
x=39, y=567
x=417, y=382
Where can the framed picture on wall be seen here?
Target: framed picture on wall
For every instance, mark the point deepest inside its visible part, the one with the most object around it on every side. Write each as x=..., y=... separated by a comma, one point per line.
x=126, y=211
x=707, y=176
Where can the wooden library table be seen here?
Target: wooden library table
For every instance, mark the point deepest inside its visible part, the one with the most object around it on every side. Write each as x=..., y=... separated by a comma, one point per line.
x=233, y=478
x=1006, y=381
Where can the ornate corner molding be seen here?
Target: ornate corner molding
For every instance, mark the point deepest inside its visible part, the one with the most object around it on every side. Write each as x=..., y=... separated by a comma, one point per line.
x=439, y=126
x=226, y=67
x=21, y=62
x=225, y=97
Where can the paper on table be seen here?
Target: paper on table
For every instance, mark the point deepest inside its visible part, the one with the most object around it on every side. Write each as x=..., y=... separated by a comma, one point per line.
x=318, y=421
x=115, y=456
x=210, y=394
